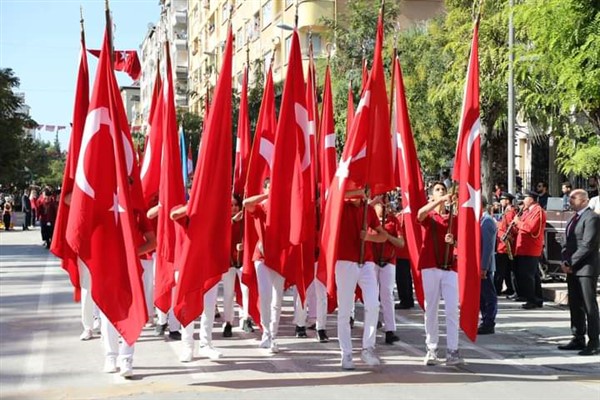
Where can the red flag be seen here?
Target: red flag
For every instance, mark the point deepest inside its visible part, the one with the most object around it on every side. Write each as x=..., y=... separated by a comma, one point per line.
x=467, y=171
x=126, y=61
x=350, y=110
x=366, y=160
x=151, y=165
x=365, y=75
x=259, y=168
x=171, y=194
x=207, y=246
x=411, y=181
x=290, y=172
x=59, y=246
x=105, y=196
x=327, y=150
x=242, y=146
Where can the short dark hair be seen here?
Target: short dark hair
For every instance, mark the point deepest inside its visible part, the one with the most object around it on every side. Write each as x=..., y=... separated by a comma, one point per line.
x=436, y=183
x=567, y=184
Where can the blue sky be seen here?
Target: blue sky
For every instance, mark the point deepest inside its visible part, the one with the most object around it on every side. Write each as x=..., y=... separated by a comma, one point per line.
x=39, y=41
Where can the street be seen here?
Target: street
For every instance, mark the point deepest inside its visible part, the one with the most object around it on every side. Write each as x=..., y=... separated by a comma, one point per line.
x=41, y=355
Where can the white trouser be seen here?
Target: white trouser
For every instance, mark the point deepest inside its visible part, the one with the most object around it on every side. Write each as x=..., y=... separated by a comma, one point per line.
x=148, y=280
x=87, y=304
x=299, y=309
x=347, y=275
x=229, y=278
x=386, y=277
x=270, y=291
x=316, y=302
x=168, y=317
x=206, y=321
x=110, y=340
x=438, y=282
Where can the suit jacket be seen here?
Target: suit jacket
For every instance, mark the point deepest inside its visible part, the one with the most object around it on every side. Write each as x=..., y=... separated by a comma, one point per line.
x=581, y=245
x=488, y=242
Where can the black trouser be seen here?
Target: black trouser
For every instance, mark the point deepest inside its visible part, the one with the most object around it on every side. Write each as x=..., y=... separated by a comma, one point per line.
x=529, y=283
x=404, y=282
x=47, y=231
x=27, y=222
x=504, y=273
x=6, y=220
x=584, y=306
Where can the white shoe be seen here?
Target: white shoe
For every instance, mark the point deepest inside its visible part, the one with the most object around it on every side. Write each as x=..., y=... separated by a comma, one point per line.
x=126, y=368
x=265, y=343
x=87, y=334
x=369, y=357
x=110, y=364
x=210, y=352
x=347, y=363
x=187, y=355
x=274, y=349
x=431, y=358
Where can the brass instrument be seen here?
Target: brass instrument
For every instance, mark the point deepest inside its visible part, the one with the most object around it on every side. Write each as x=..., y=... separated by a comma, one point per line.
x=505, y=238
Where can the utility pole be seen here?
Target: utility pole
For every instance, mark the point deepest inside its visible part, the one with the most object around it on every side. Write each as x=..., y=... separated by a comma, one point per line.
x=511, y=101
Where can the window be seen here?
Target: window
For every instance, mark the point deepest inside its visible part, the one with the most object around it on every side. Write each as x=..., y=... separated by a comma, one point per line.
x=316, y=43
x=249, y=30
x=267, y=13
x=288, y=46
x=239, y=39
x=256, y=27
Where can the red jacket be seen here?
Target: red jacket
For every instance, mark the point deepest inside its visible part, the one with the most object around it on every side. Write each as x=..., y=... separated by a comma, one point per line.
x=530, y=235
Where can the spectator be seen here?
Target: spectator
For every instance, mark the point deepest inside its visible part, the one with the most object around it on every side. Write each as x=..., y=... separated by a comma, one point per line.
x=6, y=215
x=592, y=187
x=566, y=190
x=542, y=190
x=519, y=181
x=26, y=208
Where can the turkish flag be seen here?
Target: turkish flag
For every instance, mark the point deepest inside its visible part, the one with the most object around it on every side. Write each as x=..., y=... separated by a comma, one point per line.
x=206, y=249
x=290, y=172
x=242, y=145
x=106, y=194
x=467, y=171
x=126, y=61
x=366, y=161
x=171, y=194
x=259, y=168
x=59, y=246
x=411, y=181
x=327, y=151
x=151, y=164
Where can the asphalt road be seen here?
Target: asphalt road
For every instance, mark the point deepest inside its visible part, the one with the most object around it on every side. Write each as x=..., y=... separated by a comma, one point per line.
x=41, y=355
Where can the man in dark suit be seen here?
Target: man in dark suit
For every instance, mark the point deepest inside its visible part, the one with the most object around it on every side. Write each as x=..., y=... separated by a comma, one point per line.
x=581, y=263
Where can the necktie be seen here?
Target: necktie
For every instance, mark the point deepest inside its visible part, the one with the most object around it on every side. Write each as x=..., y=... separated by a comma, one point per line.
x=572, y=224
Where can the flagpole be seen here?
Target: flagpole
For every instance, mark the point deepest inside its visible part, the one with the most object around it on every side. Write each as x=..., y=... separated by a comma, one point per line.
x=394, y=57
x=109, y=32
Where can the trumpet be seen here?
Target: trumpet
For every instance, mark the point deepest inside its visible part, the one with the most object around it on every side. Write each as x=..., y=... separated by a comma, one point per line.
x=505, y=238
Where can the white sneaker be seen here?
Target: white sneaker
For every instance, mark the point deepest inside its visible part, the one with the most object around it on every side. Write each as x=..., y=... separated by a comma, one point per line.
x=87, y=334
x=187, y=355
x=265, y=343
x=431, y=358
x=126, y=368
x=110, y=364
x=347, y=363
x=454, y=358
x=369, y=357
x=210, y=352
x=274, y=349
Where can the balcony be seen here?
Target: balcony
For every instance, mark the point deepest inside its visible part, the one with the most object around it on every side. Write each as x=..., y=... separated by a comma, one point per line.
x=180, y=18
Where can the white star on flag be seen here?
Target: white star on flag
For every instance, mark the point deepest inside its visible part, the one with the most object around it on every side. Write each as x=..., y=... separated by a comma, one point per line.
x=343, y=171
x=116, y=208
x=474, y=201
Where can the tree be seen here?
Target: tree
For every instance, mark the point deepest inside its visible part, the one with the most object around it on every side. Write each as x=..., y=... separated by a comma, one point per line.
x=14, y=124
x=558, y=76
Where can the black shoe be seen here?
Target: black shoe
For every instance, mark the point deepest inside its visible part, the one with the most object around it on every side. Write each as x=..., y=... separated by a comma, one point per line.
x=313, y=327
x=301, y=332
x=227, y=330
x=175, y=335
x=485, y=330
x=574, y=344
x=508, y=292
x=159, y=330
x=531, y=306
x=590, y=350
x=322, y=336
x=518, y=299
x=247, y=326
x=404, y=306
x=391, y=337
x=351, y=322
